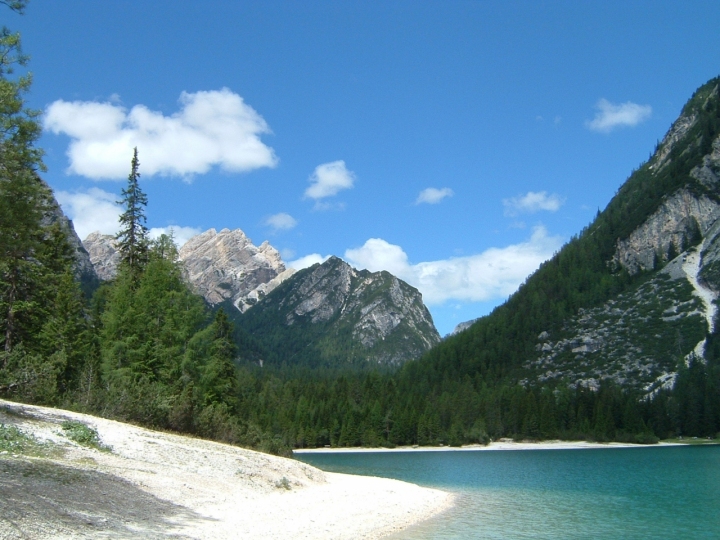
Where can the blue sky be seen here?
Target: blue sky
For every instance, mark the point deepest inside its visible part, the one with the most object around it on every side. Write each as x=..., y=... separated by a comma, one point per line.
x=454, y=143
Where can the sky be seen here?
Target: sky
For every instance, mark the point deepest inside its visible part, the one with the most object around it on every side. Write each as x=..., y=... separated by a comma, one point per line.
x=454, y=143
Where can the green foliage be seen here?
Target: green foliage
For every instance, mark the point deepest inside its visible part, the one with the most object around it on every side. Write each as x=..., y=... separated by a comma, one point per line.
x=83, y=435
x=14, y=441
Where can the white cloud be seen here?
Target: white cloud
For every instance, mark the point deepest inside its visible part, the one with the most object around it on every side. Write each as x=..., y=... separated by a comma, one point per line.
x=328, y=180
x=93, y=210
x=180, y=234
x=212, y=128
x=609, y=116
x=433, y=195
x=532, y=202
x=494, y=274
x=307, y=261
x=281, y=222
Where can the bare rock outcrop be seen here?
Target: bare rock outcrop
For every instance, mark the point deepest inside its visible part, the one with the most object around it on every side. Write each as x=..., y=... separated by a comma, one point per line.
x=82, y=267
x=678, y=219
x=104, y=254
x=226, y=265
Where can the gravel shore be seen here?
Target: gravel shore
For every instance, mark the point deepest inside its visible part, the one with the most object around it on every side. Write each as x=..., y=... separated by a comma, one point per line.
x=159, y=485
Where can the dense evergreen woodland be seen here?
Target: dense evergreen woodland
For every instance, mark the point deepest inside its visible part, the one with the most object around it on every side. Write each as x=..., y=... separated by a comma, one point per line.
x=144, y=348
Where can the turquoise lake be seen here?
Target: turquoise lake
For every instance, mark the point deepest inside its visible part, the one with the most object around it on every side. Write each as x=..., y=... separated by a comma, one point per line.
x=628, y=493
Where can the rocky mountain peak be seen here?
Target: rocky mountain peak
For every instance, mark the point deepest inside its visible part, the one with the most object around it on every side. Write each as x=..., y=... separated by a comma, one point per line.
x=333, y=313
x=226, y=265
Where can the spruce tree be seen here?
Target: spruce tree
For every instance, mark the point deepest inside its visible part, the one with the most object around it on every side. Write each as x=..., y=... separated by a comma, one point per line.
x=219, y=378
x=132, y=238
x=23, y=200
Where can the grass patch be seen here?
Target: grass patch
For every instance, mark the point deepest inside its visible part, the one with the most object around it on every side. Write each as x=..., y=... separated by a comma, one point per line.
x=16, y=442
x=83, y=435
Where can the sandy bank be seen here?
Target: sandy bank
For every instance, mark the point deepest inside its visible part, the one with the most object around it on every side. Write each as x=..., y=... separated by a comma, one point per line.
x=159, y=485
x=502, y=444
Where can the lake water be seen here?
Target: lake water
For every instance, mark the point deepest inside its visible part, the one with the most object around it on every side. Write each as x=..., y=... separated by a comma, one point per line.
x=618, y=493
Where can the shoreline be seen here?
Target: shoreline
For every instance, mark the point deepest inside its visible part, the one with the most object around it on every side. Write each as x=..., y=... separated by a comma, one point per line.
x=152, y=484
x=502, y=444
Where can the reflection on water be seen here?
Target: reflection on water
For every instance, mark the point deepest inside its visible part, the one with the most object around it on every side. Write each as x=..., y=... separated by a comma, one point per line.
x=633, y=493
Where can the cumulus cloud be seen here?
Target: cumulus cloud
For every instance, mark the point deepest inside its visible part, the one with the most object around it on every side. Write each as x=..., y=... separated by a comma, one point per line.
x=97, y=210
x=307, y=261
x=610, y=116
x=281, y=222
x=180, y=234
x=433, y=195
x=212, y=128
x=494, y=274
x=328, y=180
x=532, y=202
x=90, y=211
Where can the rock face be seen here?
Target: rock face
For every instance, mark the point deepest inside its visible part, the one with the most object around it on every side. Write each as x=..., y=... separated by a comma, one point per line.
x=331, y=314
x=225, y=265
x=84, y=270
x=103, y=254
x=220, y=266
x=682, y=218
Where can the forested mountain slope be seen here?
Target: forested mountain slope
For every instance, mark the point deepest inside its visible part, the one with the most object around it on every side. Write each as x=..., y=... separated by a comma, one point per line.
x=603, y=307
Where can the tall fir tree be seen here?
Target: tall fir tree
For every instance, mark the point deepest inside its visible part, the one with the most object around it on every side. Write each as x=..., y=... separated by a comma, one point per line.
x=23, y=199
x=132, y=239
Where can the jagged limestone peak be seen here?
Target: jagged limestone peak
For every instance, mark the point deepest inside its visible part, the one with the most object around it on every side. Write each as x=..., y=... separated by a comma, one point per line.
x=226, y=265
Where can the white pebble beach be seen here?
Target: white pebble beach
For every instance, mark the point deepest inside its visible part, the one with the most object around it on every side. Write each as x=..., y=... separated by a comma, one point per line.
x=160, y=485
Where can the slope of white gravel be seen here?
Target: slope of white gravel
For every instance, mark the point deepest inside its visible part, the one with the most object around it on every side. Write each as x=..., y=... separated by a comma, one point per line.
x=161, y=485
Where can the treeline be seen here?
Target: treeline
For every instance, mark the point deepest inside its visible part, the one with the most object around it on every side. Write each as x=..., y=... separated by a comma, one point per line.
x=311, y=408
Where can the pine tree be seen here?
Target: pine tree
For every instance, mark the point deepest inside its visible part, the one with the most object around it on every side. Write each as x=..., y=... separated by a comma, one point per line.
x=132, y=238
x=219, y=379
x=23, y=200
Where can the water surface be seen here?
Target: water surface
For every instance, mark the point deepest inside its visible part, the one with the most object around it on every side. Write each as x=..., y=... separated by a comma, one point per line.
x=628, y=493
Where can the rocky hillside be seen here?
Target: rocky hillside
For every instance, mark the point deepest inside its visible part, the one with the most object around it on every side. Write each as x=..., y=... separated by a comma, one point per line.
x=633, y=297
x=333, y=315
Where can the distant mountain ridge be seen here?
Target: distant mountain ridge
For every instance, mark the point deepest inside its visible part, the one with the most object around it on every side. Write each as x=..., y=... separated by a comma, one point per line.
x=329, y=315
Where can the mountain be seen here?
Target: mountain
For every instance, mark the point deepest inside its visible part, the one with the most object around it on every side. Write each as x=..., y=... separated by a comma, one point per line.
x=330, y=315
x=631, y=299
x=221, y=266
x=460, y=327
x=226, y=266
x=333, y=315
